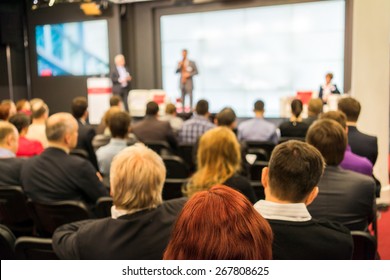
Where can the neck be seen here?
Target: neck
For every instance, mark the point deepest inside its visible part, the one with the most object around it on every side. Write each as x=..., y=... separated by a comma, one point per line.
x=296, y=119
x=351, y=123
x=39, y=121
x=259, y=114
x=59, y=146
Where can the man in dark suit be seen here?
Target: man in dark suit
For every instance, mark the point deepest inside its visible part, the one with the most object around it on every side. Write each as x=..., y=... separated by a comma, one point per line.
x=55, y=175
x=290, y=184
x=187, y=69
x=86, y=132
x=121, y=79
x=361, y=144
x=345, y=196
x=152, y=129
x=140, y=223
x=10, y=166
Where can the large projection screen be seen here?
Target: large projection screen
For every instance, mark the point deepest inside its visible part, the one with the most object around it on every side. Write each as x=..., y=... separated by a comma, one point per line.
x=267, y=52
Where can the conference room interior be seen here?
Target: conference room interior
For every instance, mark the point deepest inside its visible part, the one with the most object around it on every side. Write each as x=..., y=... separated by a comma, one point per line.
x=135, y=29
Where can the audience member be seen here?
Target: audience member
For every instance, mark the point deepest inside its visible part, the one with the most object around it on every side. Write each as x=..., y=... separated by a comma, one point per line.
x=171, y=117
x=231, y=229
x=295, y=127
x=290, y=184
x=10, y=166
x=55, y=175
x=152, y=129
x=86, y=132
x=257, y=129
x=141, y=222
x=345, y=196
x=7, y=109
x=23, y=106
x=116, y=105
x=314, y=110
x=36, y=130
x=116, y=101
x=119, y=125
x=27, y=147
x=361, y=144
x=226, y=117
x=218, y=162
x=350, y=161
x=198, y=124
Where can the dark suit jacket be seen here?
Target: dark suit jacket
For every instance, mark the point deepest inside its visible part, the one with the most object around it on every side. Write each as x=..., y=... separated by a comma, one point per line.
x=116, y=85
x=362, y=144
x=55, y=176
x=10, y=169
x=346, y=197
x=139, y=236
x=84, y=141
x=151, y=129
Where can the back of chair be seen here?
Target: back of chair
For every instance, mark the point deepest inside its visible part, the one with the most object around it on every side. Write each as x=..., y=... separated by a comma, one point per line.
x=365, y=246
x=172, y=188
x=48, y=216
x=103, y=207
x=80, y=153
x=176, y=167
x=186, y=152
x=100, y=140
x=160, y=147
x=13, y=210
x=266, y=146
x=7, y=243
x=285, y=139
x=34, y=248
x=256, y=169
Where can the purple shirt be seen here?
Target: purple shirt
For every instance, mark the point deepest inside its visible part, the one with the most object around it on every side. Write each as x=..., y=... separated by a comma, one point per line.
x=356, y=163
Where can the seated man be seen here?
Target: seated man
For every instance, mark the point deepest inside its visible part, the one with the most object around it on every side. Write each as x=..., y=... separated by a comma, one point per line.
x=290, y=184
x=226, y=117
x=141, y=222
x=39, y=115
x=10, y=166
x=345, y=196
x=55, y=175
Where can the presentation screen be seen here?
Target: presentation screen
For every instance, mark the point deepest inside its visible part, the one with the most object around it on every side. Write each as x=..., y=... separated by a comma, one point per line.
x=268, y=53
x=75, y=48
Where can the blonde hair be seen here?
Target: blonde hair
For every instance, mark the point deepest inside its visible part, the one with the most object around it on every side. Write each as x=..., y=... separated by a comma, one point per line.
x=218, y=159
x=137, y=176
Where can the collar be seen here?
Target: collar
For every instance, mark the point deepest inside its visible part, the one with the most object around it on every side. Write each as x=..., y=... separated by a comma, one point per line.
x=118, y=141
x=5, y=153
x=294, y=212
x=116, y=213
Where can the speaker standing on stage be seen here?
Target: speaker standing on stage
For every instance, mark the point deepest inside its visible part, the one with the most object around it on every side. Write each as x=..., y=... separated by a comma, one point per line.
x=187, y=69
x=328, y=88
x=121, y=78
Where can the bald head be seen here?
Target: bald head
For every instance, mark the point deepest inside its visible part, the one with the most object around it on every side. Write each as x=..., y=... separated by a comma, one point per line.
x=61, y=128
x=9, y=136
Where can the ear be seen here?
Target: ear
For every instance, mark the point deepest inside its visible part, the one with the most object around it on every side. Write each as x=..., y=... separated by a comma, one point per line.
x=313, y=194
x=264, y=177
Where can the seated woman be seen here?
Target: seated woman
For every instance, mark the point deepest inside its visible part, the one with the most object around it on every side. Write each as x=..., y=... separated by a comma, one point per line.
x=220, y=224
x=218, y=162
x=294, y=128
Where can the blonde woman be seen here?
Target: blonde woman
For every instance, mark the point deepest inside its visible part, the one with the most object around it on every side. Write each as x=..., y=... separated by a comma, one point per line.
x=219, y=160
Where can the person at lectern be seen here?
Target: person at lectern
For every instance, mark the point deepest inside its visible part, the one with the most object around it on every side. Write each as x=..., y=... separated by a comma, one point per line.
x=187, y=69
x=121, y=79
x=328, y=88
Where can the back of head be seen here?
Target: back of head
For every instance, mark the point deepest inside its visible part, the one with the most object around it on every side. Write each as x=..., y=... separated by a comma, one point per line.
x=226, y=117
x=295, y=168
x=58, y=125
x=296, y=107
x=202, y=107
x=259, y=106
x=119, y=123
x=350, y=107
x=315, y=106
x=22, y=104
x=4, y=111
x=115, y=100
x=330, y=138
x=20, y=121
x=137, y=176
x=152, y=108
x=79, y=106
x=170, y=109
x=6, y=129
x=337, y=116
x=39, y=109
x=220, y=224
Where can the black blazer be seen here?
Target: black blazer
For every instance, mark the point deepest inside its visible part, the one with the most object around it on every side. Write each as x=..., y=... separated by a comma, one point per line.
x=362, y=144
x=116, y=85
x=84, y=141
x=139, y=236
x=10, y=169
x=54, y=175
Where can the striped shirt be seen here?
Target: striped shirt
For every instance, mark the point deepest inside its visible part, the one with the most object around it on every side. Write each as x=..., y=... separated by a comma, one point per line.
x=294, y=212
x=194, y=128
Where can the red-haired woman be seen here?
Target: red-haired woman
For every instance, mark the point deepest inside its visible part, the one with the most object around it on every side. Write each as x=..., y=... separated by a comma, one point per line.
x=220, y=224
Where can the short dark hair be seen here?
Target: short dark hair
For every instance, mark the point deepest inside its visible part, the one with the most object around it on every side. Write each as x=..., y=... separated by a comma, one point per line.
x=152, y=108
x=202, y=107
x=337, y=116
x=315, y=106
x=170, y=109
x=79, y=106
x=226, y=117
x=115, y=100
x=119, y=123
x=259, y=106
x=295, y=168
x=350, y=107
x=330, y=138
x=296, y=107
x=20, y=121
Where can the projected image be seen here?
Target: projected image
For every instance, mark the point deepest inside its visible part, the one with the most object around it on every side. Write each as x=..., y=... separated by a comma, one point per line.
x=268, y=53
x=77, y=48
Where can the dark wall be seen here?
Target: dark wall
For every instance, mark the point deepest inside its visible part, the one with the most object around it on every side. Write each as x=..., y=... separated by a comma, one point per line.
x=58, y=92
